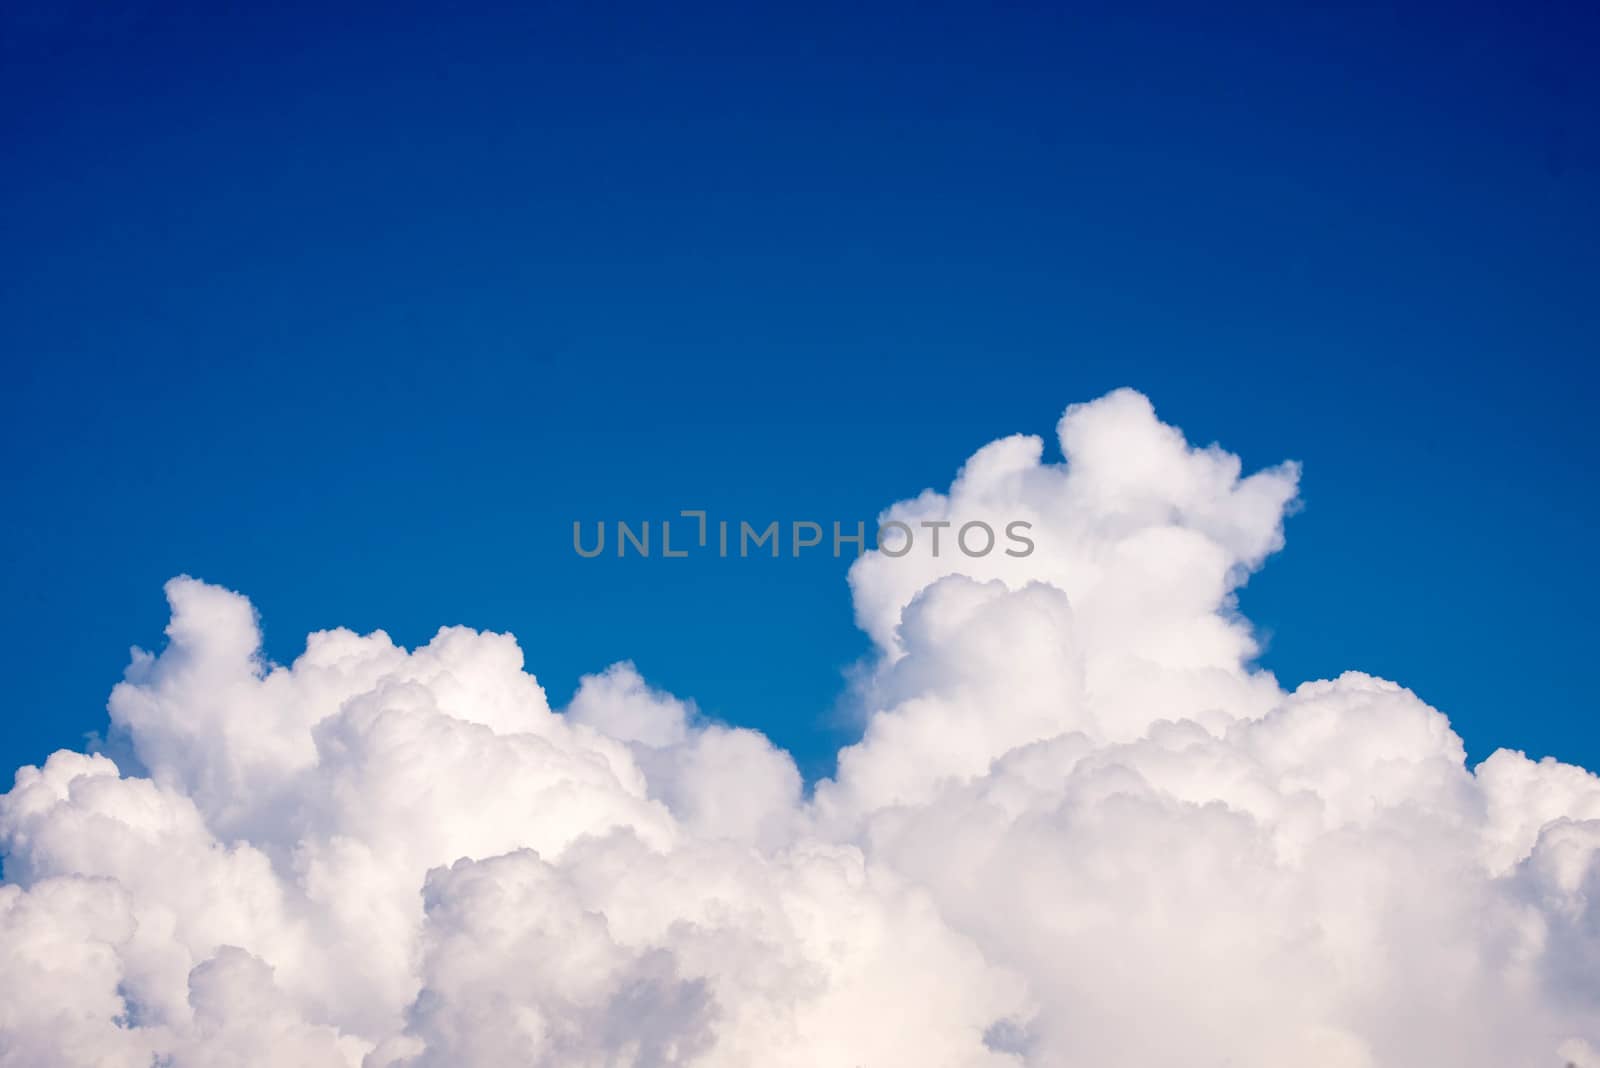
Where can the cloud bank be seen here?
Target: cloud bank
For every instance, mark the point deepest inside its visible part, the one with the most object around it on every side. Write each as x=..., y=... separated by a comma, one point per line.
x=1080, y=828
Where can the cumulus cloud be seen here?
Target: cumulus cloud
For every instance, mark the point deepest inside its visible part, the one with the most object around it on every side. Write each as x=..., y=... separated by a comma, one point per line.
x=1080, y=828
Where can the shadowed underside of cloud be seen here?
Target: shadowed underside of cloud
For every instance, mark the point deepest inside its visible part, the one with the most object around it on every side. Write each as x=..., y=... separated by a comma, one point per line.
x=1080, y=828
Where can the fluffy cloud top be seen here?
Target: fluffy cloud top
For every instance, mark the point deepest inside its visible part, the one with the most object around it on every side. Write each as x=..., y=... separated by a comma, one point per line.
x=1080, y=828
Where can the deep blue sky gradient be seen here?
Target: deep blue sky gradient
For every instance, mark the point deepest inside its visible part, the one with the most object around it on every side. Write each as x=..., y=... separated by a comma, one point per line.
x=356, y=313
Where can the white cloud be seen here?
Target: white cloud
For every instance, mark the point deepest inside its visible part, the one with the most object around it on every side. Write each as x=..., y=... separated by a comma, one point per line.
x=1079, y=828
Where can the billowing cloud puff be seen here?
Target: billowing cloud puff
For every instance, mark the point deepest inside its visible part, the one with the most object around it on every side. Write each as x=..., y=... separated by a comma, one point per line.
x=1079, y=828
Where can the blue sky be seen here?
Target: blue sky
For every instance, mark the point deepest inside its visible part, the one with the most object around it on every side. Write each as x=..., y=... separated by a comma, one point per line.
x=358, y=314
